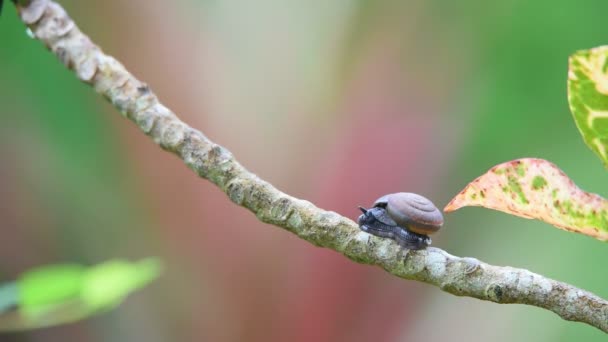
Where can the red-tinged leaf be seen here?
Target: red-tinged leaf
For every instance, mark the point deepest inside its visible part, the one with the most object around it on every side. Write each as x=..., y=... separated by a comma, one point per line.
x=537, y=189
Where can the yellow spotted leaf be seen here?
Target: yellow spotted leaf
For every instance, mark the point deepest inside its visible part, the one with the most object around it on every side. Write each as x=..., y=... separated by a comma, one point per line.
x=537, y=189
x=588, y=97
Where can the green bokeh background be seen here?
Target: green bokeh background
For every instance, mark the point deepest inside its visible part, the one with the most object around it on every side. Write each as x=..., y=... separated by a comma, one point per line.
x=290, y=87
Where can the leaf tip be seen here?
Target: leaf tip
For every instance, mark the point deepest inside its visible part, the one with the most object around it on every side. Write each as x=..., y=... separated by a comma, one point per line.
x=451, y=207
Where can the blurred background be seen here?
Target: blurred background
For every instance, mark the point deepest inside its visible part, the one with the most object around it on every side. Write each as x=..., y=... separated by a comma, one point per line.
x=337, y=102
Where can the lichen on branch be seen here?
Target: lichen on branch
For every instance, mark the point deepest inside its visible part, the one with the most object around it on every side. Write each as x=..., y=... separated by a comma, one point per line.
x=49, y=23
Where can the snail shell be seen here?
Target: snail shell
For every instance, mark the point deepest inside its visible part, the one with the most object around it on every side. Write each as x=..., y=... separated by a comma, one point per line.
x=404, y=217
x=412, y=211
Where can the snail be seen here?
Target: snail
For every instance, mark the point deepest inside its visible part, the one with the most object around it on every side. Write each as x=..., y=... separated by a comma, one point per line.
x=405, y=217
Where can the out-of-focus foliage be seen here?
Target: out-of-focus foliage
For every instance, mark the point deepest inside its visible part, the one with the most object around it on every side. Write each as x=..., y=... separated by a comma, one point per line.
x=59, y=294
x=537, y=189
x=588, y=97
x=44, y=287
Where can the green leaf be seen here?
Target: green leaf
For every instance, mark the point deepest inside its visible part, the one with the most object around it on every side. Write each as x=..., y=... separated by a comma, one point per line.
x=106, y=285
x=58, y=294
x=588, y=97
x=42, y=288
x=537, y=189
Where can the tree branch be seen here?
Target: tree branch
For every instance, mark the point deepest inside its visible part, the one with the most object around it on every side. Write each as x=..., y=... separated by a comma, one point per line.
x=459, y=276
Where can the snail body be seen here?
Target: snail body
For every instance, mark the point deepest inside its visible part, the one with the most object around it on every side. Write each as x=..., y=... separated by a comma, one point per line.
x=405, y=217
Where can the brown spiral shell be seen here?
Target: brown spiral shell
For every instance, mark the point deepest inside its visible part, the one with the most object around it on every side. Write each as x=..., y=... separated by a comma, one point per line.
x=412, y=211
